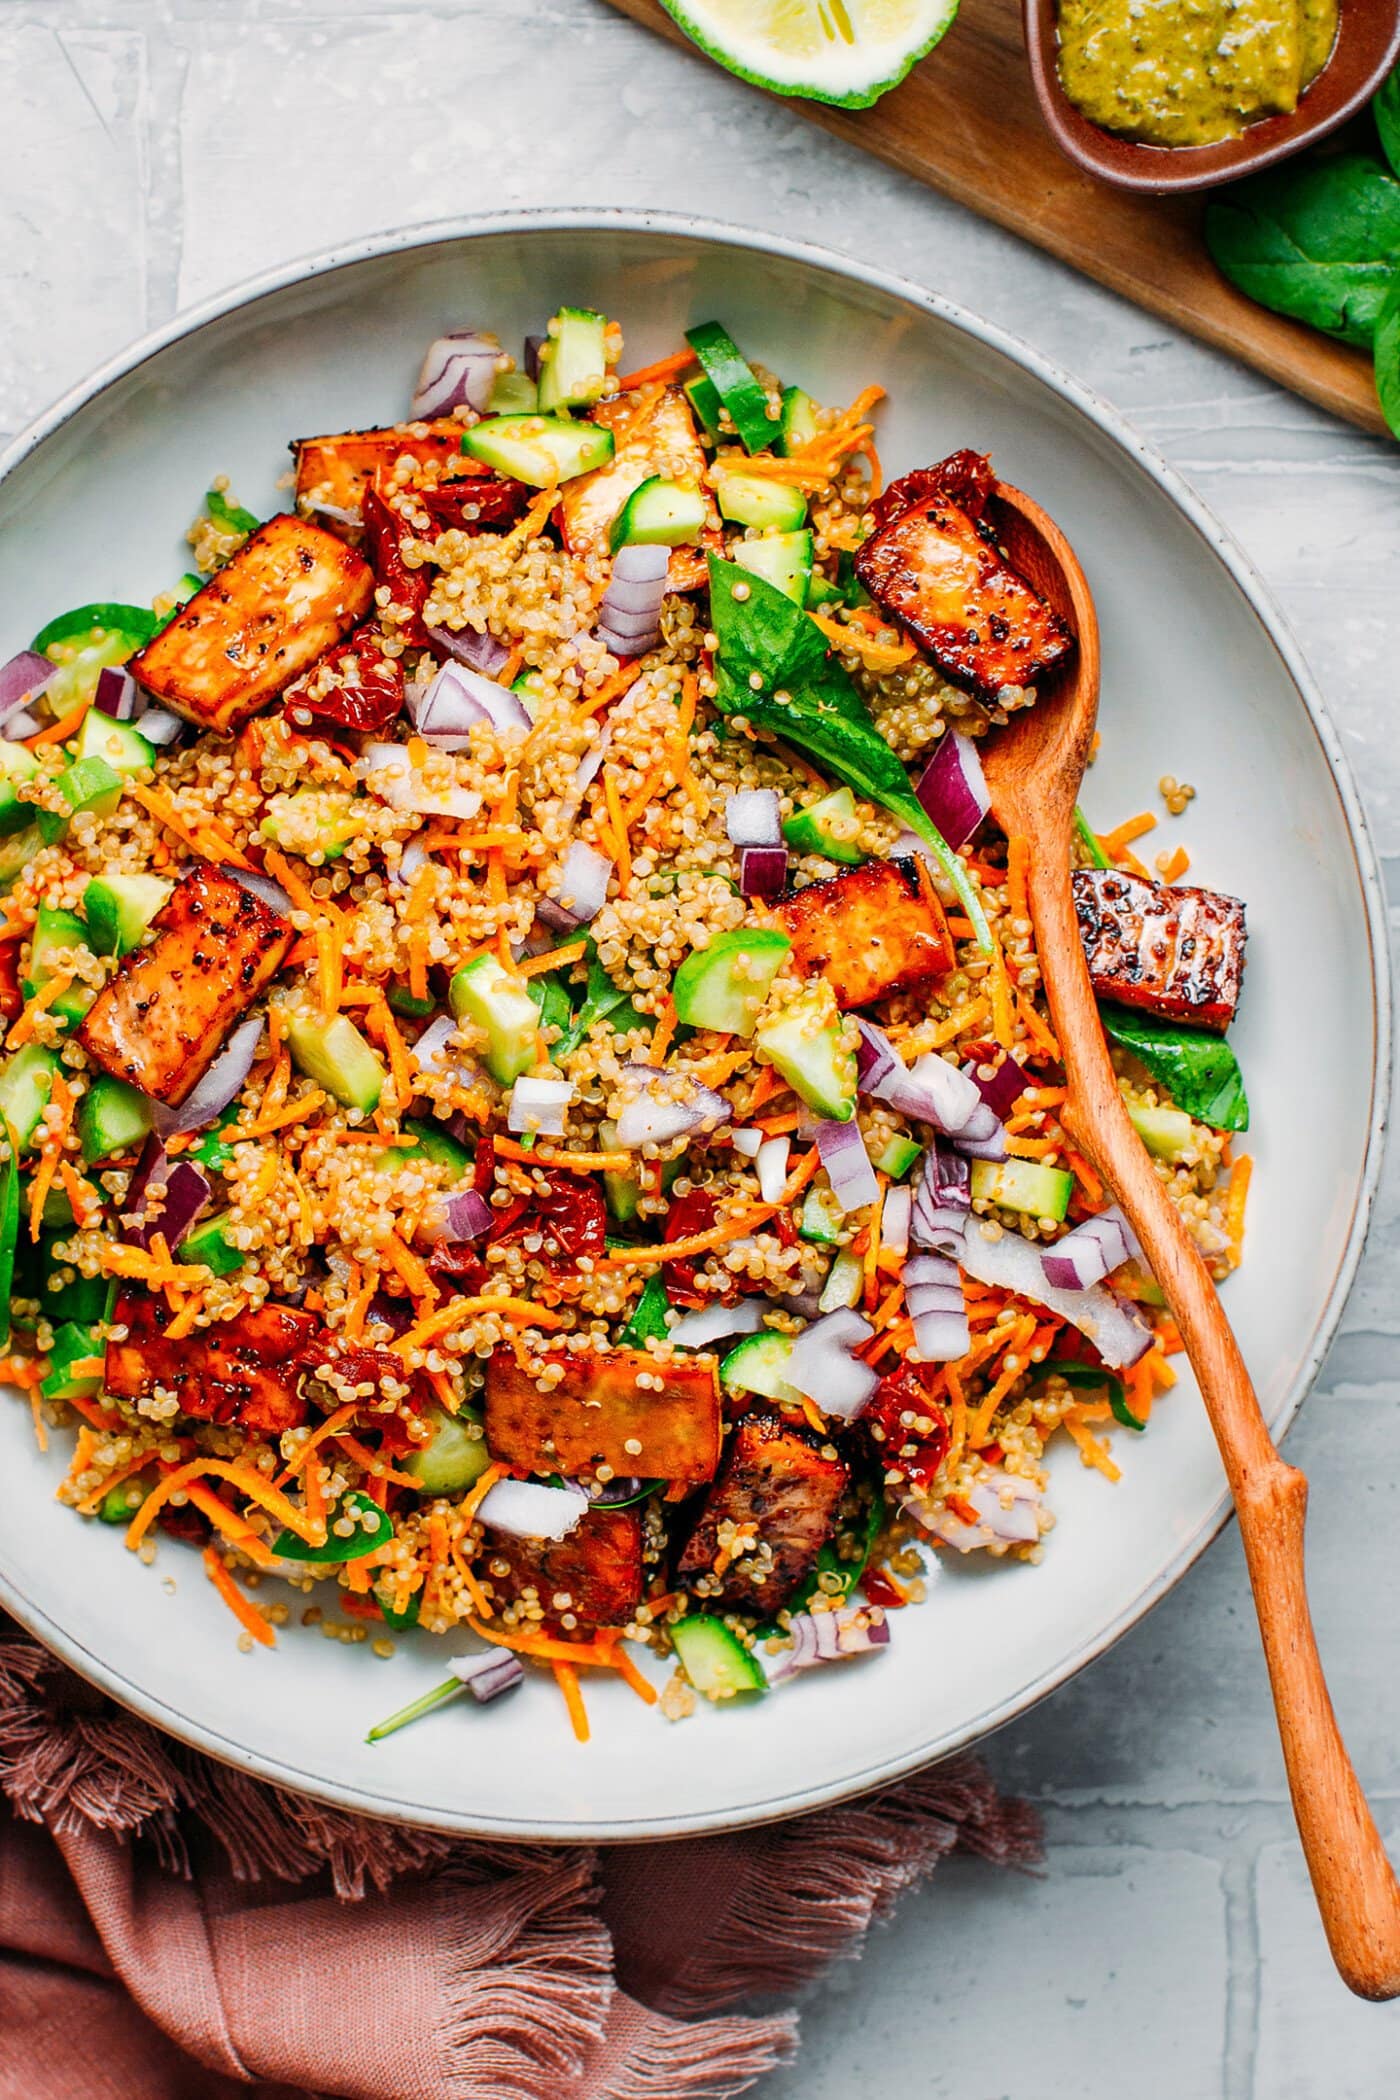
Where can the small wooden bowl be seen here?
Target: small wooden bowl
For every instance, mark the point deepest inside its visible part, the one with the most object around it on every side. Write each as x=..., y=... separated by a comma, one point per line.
x=1367, y=47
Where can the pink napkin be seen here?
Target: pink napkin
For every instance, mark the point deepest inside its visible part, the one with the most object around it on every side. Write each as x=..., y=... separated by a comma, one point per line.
x=170, y=1930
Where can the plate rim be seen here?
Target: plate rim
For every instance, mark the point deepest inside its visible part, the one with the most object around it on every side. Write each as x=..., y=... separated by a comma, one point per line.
x=685, y=226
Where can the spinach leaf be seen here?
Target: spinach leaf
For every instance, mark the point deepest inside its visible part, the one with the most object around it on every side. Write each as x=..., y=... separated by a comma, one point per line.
x=231, y=516
x=1388, y=353
x=1091, y=839
x=1095, y=1376
x=1318, y=240
x=648, y=1315
x=1386, y=106
x=9, y=1230
x=1199, y=1071
x=551, y=996
x=803, y=694
x=602, y=1001
x=288, y=1545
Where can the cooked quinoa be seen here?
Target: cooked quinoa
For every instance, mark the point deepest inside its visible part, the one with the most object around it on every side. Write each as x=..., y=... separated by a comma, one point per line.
x=385, y=1002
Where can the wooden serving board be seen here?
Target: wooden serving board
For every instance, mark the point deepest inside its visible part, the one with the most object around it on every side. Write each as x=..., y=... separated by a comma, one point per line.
x=967, y=122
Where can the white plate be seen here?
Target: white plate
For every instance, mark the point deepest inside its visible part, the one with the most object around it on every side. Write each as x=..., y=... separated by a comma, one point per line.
x=1200, y=680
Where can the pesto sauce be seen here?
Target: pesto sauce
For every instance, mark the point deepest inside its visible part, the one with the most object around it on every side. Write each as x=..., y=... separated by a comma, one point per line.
x=1190, y=72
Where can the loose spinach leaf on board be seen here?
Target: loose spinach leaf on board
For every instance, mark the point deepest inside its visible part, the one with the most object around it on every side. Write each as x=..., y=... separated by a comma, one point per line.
x=1199, y=1071
x=804, y=695
x=1386, y=106
x=1318, y=240
x=1388, y=355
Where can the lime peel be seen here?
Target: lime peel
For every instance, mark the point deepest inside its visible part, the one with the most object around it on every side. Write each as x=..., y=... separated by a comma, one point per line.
x=847, y=52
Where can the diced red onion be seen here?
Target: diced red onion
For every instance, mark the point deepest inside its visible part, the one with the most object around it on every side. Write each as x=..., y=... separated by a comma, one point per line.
x=537, y=1106
x=459, y=370
x=587, y=769
x=933, y=1293
x=1005, y=1087
x=479, y=651
x=942, y=1202
x=223, y=1080
x=763, y=871
x=828, y=1636
x=583, y=883
x=953, y=788
x=876, y=1056
x=613, y=1494
x=487, y=1676
x=166, y=1196
x=552, y=914
x=1092, y=1251
x=260, y=886
x=747, y=1142
x=430, y=1052
x=1114, y=1327
x=23, y=679
x=770, y=1163
x=894, y=1219
x=753, y=817
x=663, y=1105
x=353, y=520
x=115, y=693
x=159, y=726
x=823, y=1367
x=414, y=856
x=21, y=725
x=1015, y=1524
x=533, y=346
x=847, y=1164
x=909, y=844
x=526, y=1509
x=456, y=700
x=630, y=609
x=455, y=1216
x=390, y=774
x=932, y=1091
x=696, y=1330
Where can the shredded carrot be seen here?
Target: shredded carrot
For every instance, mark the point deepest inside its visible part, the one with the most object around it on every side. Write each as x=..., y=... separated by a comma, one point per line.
x=1139, y=1383
x=566, y=1677
x=664, y=1033
x=611, y=689
x=1235, y=1201
x=1122, y=835
x=1091, y=1451
x=39, y=1190
x=870, y=1287
x=570, y=1162
x=329, y=1427
x=665, y=369
x=1172, y=866
x=969, y=1016
x=184, y=1320
x=1003, y=1020
x=477, y=1493
x=21, y=1370
x=407, y=1266
x=59, y=732
x=207, y=838
x=1036, y=1027
x=228, y=1521
x=23, y=1028
x=629, y=1673
x=765, y=1084
x=95, y=1497
x=1086, y=1177
x=622, y=851
x=314, y=1498
x=479, y=1602
x=729, y=1228
x=358, y=1307
x=246, y=1612
x=545, y=1647
x=244, y=1478
x=285, y=873
x=552, y=959
x=449, y=1316
x=1169, y=1338
x=1017, y=871
x=296, y=1111
x=1019, y=1341
x=876, y=656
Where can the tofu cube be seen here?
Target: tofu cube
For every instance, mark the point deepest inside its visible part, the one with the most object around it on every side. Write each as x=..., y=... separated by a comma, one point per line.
x=600, y=1414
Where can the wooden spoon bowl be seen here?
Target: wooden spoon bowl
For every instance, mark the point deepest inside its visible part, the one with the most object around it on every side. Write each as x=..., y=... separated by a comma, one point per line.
x=1034, y=768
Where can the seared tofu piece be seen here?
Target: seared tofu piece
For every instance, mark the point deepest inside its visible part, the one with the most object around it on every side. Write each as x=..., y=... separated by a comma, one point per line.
x=247, y=1371
x=591, y=1578
x=161, y=1020
x=290, y=593
x=868, y=932
x=601, y=1414
x=653, y=433
x=937, y=570
x=1175, y=952
x=339, y=469
x=778, y=1485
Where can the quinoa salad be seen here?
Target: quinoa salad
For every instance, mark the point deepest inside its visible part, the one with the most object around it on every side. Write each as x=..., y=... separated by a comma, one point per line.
x=529, y=1110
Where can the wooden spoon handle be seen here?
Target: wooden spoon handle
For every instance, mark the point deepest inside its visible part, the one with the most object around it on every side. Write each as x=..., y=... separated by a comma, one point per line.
x=1352, y=1878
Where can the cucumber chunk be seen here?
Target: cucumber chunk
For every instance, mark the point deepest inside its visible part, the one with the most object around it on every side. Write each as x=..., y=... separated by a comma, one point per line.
x=757, y=1365
x=750, y=499
x=209, y=1243
x=88, y=785
x=805, y=1041
x=26, y=1083
x=705, y=402
x=455, y=1459
x=485, y=993
x=514, y=394
x=714, y=1659
x=1166, y=1132
x=898, y=1157
x=797, y=421
x=820, y=1219
x=539, y=450
x=74, y=1344
x=723, y=986
x=311, y=820
x=844, y=1284
x=1024, y=1185
x=119, y=744
x=826, y=827
x=63, y=1293
x=16, y=766
x=133, y=624
x=119, y=908
x=17, y=851
x=112, y=1117
x=660, y=513
x=783, y=559
x=120, y=1503
x=438, y=1144
x=55, y=933
x=573, y=359
x=336, y=1056
x=733, y=380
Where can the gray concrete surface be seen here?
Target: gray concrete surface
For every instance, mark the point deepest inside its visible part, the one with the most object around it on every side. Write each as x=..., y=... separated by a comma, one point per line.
x=152, y=151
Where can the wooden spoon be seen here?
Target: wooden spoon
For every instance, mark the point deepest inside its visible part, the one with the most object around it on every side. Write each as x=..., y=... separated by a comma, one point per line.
x=1034, y=767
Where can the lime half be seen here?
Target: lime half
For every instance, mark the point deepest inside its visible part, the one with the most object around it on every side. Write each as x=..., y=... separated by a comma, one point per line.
x=845, y=51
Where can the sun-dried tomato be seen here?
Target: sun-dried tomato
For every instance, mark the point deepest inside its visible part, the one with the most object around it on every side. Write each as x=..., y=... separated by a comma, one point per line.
x=880, y=1590
x=917, y=1451
x=408, y=588
x=569, y=1216
x=964, y=478
x=476, y=504
x=368, y=699
x=11, y=997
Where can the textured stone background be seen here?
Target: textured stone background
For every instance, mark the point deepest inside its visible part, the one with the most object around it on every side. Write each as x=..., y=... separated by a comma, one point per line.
x=152, y=151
